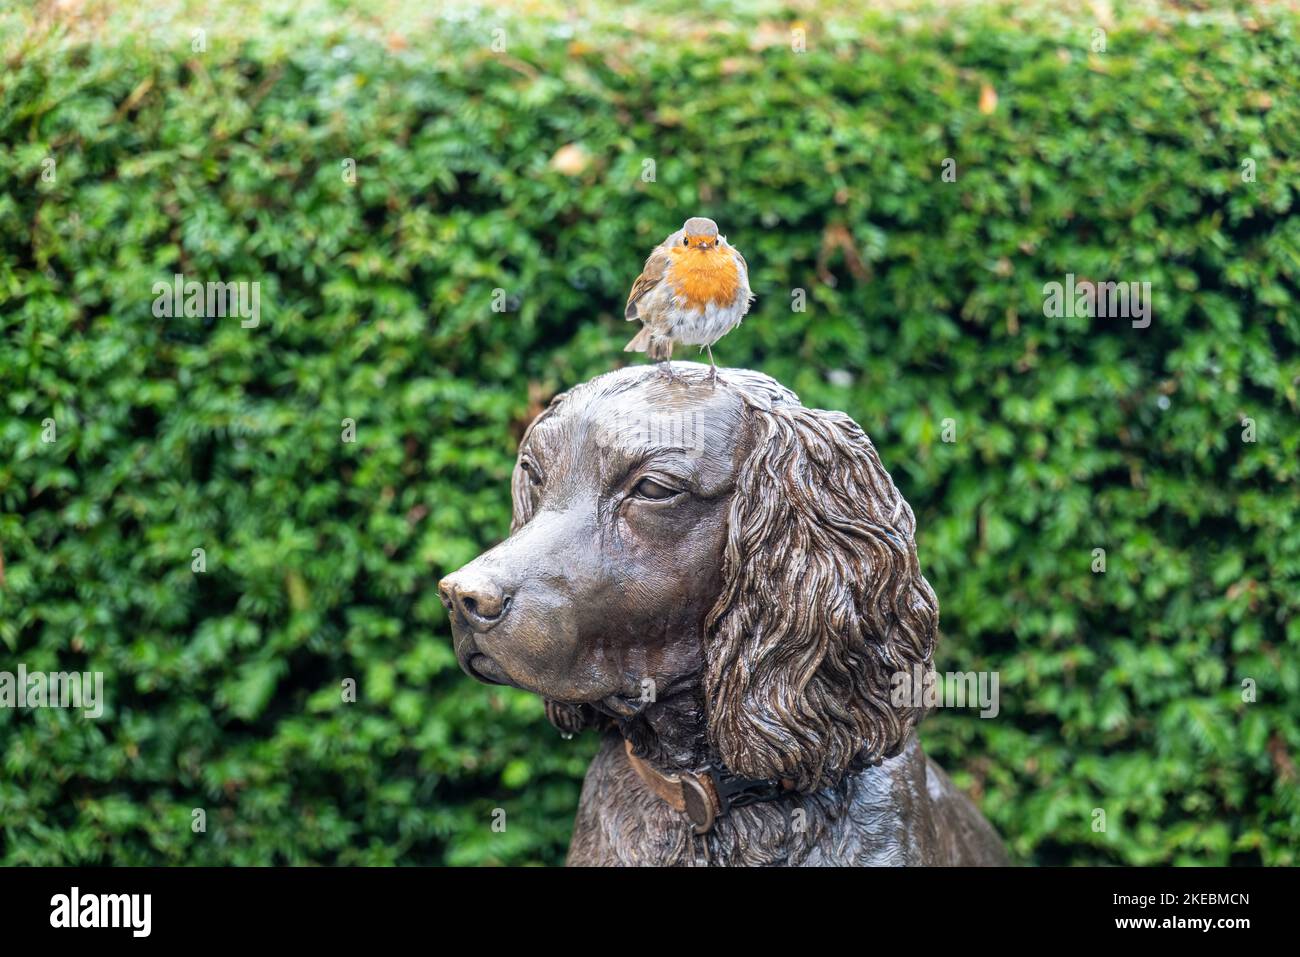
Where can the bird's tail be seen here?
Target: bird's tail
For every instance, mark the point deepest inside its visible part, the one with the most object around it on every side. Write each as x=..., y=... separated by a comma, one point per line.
x=657, y=348
x=640, y=342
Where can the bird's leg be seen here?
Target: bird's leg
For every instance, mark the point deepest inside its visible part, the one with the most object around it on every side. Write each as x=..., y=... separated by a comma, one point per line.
x=667, y=364
x=713, y=369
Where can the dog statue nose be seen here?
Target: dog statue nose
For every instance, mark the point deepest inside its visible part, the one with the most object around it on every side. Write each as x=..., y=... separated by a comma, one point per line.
x=479, y=599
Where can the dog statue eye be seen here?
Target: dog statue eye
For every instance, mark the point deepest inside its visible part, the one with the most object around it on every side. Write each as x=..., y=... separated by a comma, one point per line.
x=656, y=492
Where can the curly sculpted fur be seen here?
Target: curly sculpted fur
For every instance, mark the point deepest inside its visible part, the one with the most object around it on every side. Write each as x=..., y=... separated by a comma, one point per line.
x=801, y=688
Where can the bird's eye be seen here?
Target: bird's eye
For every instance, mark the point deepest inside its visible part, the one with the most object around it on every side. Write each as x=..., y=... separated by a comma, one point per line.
x=685, y=241
x=654, y=491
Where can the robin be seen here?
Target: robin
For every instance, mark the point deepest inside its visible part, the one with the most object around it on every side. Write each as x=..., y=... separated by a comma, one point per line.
x=694, y=289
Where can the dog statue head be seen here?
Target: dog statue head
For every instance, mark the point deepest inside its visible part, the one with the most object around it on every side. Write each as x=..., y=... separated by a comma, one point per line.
x=725, y=547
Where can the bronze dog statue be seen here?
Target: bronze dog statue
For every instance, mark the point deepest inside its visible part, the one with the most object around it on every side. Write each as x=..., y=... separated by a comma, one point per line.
x=725, y=583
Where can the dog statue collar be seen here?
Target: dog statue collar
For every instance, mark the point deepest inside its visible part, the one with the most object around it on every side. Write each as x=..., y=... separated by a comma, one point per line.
x=705, y=795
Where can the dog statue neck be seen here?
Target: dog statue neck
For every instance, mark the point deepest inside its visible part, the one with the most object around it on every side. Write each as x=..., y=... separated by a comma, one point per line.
x=699, y=785
x=672, y=732
x=910, y=812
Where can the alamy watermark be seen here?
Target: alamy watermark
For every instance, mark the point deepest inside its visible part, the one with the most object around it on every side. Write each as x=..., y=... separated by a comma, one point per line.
x=1106, y=300
x=82, y=690
x=133, y=912
x=676, y=430
x=954, y=689
x=212, y=300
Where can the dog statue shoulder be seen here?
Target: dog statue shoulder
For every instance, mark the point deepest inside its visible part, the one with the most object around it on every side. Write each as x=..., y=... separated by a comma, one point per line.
x=724, y=584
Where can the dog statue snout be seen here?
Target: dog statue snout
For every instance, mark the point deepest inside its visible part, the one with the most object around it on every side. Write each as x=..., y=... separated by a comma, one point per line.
x=479, y=600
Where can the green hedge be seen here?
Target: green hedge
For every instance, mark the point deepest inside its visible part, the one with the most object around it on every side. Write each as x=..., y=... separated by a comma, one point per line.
x=1120, y=691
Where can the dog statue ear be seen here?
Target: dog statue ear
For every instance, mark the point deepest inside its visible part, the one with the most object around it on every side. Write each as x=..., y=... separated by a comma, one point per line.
x=522, y=504
x=823, y=603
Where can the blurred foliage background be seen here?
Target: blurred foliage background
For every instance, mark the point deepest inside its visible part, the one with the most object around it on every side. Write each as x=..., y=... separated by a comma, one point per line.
x=520, y=168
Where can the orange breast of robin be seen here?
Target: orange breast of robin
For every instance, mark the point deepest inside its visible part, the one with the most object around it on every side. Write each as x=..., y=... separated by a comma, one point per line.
x=703, y=276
